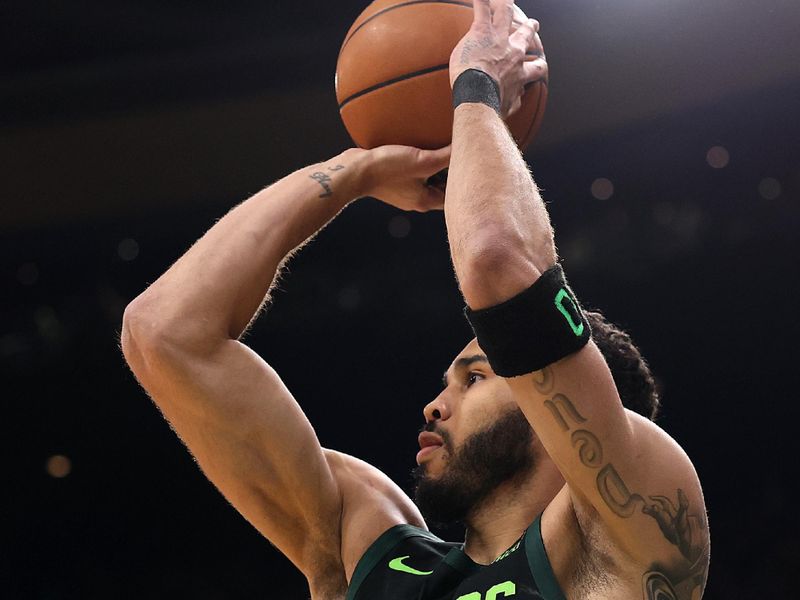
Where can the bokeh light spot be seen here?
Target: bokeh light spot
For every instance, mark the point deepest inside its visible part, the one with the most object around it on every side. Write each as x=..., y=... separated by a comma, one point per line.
x=58, y=466
x=769, y=188
x=128, y=249
x=349, y=298
x=718, y=157
x=602, y=188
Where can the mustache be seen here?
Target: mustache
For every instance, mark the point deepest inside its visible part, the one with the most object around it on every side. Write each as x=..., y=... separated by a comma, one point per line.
x=434, y=427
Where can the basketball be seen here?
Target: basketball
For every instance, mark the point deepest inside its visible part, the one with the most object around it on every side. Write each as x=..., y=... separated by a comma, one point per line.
x=392, y=77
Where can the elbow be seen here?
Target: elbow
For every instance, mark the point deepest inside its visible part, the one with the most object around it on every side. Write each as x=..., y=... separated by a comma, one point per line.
x=494, y=268
x=148, y=339
x=157, y=326
x=139, y=336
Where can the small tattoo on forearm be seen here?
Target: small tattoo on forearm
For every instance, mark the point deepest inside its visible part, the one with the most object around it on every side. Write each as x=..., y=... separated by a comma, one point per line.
x=325, y=181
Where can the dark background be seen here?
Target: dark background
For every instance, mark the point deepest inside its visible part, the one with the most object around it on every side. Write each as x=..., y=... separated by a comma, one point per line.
x=127, y=128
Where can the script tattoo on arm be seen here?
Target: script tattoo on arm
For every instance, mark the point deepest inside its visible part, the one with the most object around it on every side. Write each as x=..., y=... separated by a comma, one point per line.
x=325, y=180
x=680, y=580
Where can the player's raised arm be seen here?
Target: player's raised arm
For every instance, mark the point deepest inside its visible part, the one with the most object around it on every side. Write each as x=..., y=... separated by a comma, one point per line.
x=621, y=470
x=181, y=339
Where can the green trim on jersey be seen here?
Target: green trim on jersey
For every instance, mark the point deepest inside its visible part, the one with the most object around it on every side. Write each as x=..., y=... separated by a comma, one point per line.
x=385, y=542
x=540, y=565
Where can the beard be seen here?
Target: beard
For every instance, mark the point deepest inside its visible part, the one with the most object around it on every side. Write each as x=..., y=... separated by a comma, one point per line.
x=502, y=452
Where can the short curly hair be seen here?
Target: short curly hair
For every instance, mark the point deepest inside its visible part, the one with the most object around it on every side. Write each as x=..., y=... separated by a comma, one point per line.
x=635, y=384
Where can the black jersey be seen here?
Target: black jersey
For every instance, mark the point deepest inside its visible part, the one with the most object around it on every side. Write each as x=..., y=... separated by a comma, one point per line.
x=409, y=563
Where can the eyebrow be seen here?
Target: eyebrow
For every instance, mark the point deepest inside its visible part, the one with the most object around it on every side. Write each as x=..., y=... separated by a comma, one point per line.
x=464, y=362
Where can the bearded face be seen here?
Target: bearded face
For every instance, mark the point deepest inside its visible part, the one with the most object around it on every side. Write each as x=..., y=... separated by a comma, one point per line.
x=501, y=452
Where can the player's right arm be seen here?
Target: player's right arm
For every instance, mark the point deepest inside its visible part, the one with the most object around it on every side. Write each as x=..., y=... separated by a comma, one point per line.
x=246, y=431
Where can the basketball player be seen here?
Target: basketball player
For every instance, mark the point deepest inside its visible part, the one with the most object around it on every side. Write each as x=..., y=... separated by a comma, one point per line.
x=564, y=492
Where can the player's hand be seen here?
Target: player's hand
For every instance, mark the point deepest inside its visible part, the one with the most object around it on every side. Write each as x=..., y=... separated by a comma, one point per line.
x=505, y=45
x=398, y=175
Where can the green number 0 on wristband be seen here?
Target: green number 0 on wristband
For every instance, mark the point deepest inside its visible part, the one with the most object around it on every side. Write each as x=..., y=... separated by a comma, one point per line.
x=576, y=329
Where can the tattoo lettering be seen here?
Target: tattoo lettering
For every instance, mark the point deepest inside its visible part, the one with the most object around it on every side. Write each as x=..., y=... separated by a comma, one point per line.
x=322, y=178
x=569, y=408
x=545, y=386
x=682, y=580
x=615, y=493
x=590, y=450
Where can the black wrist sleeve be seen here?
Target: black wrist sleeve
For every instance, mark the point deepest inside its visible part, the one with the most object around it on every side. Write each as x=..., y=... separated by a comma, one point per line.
x=473, y=85
x=533, y=329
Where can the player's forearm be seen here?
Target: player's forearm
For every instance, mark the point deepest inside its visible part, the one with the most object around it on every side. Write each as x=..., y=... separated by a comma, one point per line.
x=499, y=231
x=213, y=291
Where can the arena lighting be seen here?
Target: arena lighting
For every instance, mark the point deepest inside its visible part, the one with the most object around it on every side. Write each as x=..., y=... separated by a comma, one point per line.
x=718, y=157
x=349, y=298
x=128, y=249
x=769, y=188
x=602, y=188
x=58, y=466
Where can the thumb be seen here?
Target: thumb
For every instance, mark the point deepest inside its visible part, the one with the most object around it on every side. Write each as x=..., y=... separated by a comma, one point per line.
x=433, y=161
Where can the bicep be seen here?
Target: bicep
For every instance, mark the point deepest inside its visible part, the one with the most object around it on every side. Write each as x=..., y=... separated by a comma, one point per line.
x=252, y=440
x=618, y=465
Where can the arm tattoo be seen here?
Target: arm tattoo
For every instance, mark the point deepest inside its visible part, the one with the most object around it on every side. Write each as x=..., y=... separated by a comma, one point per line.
x=678, y=580
x=325, y=180
x=473, y=44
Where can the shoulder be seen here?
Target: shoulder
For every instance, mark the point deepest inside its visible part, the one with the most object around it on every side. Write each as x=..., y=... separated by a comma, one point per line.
x=371, y=504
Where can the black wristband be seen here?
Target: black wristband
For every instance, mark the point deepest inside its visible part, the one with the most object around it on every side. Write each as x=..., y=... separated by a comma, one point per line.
x=473, y=85
x=533, y=329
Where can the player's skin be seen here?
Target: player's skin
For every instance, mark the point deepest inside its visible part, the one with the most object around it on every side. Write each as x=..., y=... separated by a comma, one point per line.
x=622, y=507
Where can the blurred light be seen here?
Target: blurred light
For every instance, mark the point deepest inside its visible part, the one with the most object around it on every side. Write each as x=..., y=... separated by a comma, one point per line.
x=769, y=188
x=58, y=466
x=577, y=251
x=128, y=249
x=602, y=188
x=28, y=274
x=399, y=226
x=688, y=220
x=47, y=323
x=349, y=298
x=718, y=157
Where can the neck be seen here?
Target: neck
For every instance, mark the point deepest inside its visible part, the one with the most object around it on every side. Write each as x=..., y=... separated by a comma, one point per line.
x=503, y=517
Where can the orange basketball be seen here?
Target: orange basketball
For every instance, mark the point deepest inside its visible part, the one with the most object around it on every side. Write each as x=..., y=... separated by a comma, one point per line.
x=392, y=79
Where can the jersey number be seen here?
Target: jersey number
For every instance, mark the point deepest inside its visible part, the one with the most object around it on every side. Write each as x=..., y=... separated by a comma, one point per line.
x=507, y=588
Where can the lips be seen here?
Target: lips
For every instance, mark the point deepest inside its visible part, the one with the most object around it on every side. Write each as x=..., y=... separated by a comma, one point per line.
x=428, y=438
x=428, y=442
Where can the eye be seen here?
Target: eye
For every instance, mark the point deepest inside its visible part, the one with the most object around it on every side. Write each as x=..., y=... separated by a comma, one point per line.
x=474, y=377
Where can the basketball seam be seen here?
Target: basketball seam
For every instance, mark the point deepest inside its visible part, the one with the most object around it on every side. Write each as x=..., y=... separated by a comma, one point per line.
x=392, y=81
x=390, y=8
x=539, y=108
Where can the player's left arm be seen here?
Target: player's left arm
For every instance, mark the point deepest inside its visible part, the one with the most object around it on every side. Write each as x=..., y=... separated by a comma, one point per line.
x=620, y=468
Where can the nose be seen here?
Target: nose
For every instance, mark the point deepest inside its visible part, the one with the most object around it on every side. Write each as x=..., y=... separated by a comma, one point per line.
x=437, y=409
